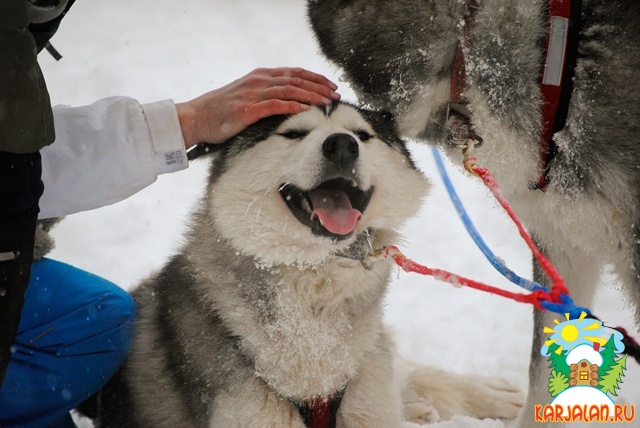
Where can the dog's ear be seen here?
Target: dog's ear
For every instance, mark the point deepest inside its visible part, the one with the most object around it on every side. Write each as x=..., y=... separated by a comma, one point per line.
x=384, y=123
x=248, y=137
x=204, y=149
x=386, y=127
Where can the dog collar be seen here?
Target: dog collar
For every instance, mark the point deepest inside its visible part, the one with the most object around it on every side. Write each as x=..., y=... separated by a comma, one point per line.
x=361, y=249
x=560, y=54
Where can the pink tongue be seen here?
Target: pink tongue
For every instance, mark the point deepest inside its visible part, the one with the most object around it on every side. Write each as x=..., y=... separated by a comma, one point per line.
x=334, y=210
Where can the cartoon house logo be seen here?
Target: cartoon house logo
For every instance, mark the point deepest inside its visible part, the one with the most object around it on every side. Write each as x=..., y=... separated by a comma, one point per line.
x=586, y=372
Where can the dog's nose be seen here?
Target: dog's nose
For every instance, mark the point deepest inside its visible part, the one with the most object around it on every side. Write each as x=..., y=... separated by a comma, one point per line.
x=341, y=149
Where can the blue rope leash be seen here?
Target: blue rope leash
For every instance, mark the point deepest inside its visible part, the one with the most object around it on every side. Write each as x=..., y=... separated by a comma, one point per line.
x=495, y=261
x=565, y=304
x=568, y=306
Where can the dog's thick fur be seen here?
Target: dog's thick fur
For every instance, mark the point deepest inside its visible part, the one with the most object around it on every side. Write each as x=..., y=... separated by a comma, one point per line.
x=258, y=314
x=399, y=55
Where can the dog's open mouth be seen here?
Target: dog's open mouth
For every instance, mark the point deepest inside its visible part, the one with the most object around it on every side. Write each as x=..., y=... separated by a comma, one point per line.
x=331, y=209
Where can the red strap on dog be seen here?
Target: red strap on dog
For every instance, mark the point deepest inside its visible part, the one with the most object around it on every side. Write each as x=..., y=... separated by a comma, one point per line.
x=457, y=100
x=555, y=84
x=553, y=78
x=321, y=413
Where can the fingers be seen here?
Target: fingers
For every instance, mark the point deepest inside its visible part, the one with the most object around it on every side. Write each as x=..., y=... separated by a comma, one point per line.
x=274, y=91
x=292, y=84
x=301, y=73
x=273, y=107
x=219, y=114
x=296, y=89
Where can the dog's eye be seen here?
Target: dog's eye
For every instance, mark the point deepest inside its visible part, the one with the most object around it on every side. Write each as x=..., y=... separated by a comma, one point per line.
x=294, y=134
x=363, y=135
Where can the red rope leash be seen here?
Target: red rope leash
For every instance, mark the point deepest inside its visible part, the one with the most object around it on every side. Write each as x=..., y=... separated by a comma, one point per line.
x=538, y=298
x=556, y=299
x=559, y=293
x=535, y=298
x=558, y=287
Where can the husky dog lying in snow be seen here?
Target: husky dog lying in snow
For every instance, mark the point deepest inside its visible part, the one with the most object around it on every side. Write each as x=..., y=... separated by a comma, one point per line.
x=267, y=316
x=401, y=55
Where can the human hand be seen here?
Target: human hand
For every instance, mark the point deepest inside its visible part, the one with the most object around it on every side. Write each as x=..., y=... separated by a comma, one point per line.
x=222, y=113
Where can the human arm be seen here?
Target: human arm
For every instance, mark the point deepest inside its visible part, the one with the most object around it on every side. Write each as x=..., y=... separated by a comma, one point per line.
x=222, y=113
x=109, y=150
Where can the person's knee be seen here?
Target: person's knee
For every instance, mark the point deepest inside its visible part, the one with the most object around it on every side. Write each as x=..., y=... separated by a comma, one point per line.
x=116, y=307
x=113, y=315
x=70, y=311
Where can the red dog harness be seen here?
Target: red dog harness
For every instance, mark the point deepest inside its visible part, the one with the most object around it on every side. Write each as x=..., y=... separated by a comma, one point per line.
x=558, y=66
x=321, y=413
x=556, y=83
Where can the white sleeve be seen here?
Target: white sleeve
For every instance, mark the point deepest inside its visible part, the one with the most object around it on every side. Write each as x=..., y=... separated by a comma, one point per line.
x=107, y=151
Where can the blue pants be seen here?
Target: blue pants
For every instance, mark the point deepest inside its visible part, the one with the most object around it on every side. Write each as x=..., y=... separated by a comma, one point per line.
x=74, y=334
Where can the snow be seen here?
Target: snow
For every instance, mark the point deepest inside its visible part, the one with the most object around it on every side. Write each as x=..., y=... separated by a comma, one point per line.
x=583, y=395
x=153, y=50
x=584, y=352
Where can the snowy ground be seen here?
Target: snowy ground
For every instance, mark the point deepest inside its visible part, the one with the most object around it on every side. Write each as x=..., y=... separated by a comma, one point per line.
x=159, y=49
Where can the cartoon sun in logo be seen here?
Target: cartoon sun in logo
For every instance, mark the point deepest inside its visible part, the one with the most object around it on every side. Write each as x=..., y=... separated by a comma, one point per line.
x=571, y=333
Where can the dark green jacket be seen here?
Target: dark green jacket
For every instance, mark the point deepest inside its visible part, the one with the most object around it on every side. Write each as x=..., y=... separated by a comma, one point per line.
x=26, y=119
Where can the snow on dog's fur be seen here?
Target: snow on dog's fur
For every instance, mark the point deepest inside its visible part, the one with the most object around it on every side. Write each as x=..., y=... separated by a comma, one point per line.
x=267, y=308
x=399, y=55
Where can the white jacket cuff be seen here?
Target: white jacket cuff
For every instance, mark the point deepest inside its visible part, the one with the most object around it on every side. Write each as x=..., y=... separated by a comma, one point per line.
x=108, y=151
x=166, y=136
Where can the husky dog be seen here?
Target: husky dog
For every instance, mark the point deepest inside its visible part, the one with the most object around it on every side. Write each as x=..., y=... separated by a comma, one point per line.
x=267, y=317
x=400, y=55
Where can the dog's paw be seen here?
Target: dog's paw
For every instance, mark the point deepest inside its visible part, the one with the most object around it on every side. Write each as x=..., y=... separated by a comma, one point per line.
x=490, y=397
x=431, y=395
x=417, y=406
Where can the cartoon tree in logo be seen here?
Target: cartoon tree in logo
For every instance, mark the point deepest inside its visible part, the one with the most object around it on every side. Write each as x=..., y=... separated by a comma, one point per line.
x=611, y=380
x=558, y=359
x=608, y=352
x=559, y=380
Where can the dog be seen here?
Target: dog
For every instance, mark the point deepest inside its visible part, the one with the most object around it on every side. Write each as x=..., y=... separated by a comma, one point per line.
x=271, y=314
x=404, y=56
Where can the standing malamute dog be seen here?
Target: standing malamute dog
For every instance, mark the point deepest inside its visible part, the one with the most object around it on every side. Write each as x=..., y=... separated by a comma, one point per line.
x=267, y=316
x=401, y=55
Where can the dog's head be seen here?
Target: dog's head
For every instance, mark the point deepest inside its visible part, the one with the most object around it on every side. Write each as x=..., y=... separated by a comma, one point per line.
x=295, y=190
